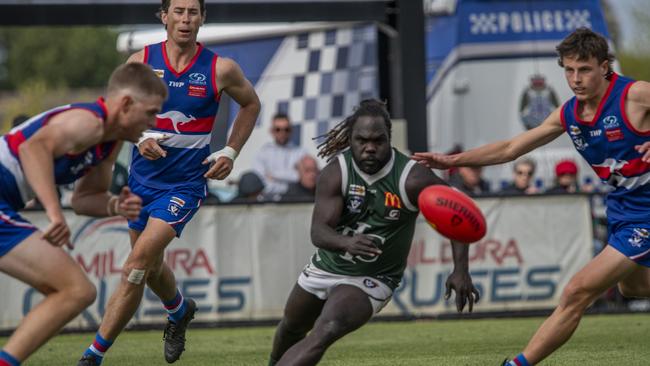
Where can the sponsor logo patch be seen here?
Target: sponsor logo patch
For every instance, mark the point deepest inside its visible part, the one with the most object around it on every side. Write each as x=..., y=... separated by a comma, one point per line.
x=392, y=200
x=159, y=73
x=614, y=135
x=197, y=78
x=610, y=122
x=197, y=91
x=392, y=214
x=574, y=130
x=357, y=190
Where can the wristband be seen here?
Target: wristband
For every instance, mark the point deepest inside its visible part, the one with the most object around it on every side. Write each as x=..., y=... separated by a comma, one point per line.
x=227, y=151
x=112, y=206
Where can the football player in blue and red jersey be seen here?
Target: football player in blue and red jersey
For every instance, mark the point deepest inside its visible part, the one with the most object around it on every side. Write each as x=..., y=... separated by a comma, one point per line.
x=608, y=121
x=72, y=143
x=170, y=167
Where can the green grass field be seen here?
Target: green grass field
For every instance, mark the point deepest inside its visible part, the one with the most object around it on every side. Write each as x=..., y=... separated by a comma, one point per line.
x=600, y=340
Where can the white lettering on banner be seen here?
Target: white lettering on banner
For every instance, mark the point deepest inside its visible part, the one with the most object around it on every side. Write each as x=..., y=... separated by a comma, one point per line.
x=529, y=21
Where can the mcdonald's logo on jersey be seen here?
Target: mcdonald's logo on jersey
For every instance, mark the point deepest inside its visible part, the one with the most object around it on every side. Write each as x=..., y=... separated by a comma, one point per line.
x=392, y=200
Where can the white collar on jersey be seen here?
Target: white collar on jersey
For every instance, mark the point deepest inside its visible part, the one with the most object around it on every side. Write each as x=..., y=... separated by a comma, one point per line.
x=371, y=179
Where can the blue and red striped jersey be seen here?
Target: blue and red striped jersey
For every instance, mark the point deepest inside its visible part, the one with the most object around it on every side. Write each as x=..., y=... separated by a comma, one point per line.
x=607, y=143
x=187, y=115
x=14, y=187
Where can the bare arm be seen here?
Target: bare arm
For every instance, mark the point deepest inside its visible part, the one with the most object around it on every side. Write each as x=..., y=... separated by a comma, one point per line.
x=501, y=151
x=71, y=131
x=92, y=198
x=327, y=212
x=640, y=93
x=419, y=178
x=231, y=80
x=637, y=107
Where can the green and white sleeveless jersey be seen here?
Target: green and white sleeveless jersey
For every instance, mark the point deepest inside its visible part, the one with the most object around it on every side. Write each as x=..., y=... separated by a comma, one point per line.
x=375, y=205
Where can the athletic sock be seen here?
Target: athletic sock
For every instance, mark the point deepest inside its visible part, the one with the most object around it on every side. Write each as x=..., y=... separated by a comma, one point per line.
x=176, y=307
x=7, y=359
x=98, y=348
x=520, y=360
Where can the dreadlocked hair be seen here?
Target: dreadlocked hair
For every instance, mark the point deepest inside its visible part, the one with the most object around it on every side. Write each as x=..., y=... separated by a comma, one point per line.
x=338, y=138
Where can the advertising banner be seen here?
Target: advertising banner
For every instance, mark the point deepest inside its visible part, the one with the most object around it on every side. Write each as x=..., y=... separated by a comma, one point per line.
x=240, y=262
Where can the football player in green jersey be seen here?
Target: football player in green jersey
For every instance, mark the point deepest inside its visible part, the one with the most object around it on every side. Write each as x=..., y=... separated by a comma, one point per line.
x=362, y=225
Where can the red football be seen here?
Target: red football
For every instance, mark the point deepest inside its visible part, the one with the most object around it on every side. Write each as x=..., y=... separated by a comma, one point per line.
x=452, y=213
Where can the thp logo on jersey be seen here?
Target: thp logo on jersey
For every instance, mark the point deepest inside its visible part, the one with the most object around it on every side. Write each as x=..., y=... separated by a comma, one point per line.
x=392, y=200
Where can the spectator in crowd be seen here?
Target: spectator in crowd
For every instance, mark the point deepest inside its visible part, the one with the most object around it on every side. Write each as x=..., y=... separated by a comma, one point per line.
x=249, y=188
x=566, y=179
x=305, y=187
x=470, y=181
x=522, y=183
x=276, y=161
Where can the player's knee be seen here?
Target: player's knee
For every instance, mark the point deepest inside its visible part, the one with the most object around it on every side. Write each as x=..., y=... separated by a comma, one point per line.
x=633, y=290
x=83, y=293
x=575, y=294
x=294, y=327
x=135, y=274
x=330, y=331
x=138, y=268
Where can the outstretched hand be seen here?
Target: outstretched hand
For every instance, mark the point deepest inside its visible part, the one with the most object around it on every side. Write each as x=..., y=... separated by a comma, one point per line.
x=466, y=293
x=433, y=160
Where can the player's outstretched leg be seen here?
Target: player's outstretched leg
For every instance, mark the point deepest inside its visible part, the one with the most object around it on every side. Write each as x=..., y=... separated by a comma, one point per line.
x=605, y=270
x=143, y=261
x=346, y=309
x=67, y=290
x=180, y=311
x=300, y=313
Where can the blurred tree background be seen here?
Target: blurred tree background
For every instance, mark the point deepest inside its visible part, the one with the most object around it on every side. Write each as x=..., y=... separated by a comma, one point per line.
x=41, y=67
x=635, y=60
x=632, y=54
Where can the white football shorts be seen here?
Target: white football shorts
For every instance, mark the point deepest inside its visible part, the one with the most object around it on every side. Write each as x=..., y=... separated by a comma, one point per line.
x=320, y=283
